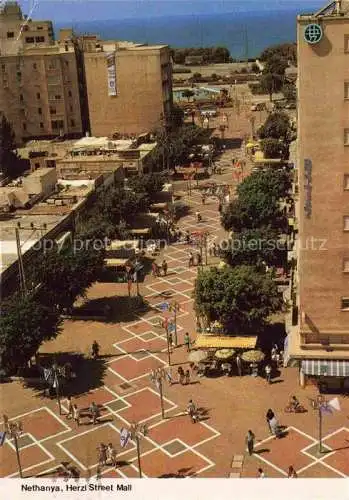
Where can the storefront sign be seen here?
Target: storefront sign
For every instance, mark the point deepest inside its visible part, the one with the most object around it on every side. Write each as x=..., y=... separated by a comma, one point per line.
x=111, y=68
x=308, y=167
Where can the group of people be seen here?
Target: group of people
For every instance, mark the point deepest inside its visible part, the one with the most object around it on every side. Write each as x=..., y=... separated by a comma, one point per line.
x=156, y=269
x=76, y=414
x=194, y=259
x=183, y=376
x=290, y=474
x=106, y=455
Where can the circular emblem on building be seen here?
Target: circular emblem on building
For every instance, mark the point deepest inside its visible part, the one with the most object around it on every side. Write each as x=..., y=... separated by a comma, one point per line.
x=313, y=33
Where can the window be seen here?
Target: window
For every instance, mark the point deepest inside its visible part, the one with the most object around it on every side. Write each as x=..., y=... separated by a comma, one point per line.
x=29, y=39
x=10, y=34
x=37, y=165
x=346, y=43
x=52, y=65
x=21, y=97
x=345, y=303
x=3, y=67
x=19, y=75
x=53, y=110
x=40, y=111
x=39, y=39
x=346, y=182
x=41, y=125
x=35, y=66
x=67, y=63
x=24, y=125
x=39, y=28
x=345, y=265
x=25, y=27
x=71, y=110
x=38, y=95
x=57, y=124
x=346, y=90
x=346, y=223
x=69, y=93
x=346, y=136
x=58, y=97
x=72, y=123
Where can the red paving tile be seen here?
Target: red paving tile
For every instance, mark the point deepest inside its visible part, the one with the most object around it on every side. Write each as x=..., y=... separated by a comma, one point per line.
x=29, y=457
x=157, y=464
x=138, y=328
x=130, y=369
x=340, y=459
x=99, y=396
x=318, y=470
x=286, y=451
x=42, y=424
x=181, y=428
x=145, y=404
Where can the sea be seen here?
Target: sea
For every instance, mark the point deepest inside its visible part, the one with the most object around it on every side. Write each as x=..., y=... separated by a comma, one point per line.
x=245, y=34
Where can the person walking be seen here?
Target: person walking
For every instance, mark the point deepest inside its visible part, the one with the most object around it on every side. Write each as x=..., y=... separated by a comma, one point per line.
x=192, y=411
x=291, y=472
x=70, y=408
x=102, y=455
x=275, y=427
x=261, y=473
x=76, y=414
x=180, y=372
x=239, y=364
x=187, y=341
x=164, y=267
x=191, y=259
x=94, y=411
x=198, y=259
x=269, y=416
x=203, y=199
x=154, y=269
x=250, y=438
x=95, y=349
x=170, y=341
x=187, y=237
x=187, y=377
x=111, y=455
x=169, y=377
x=267, y=370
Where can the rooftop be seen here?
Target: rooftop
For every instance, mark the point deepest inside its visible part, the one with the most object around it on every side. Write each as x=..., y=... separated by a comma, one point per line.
x=336, y=9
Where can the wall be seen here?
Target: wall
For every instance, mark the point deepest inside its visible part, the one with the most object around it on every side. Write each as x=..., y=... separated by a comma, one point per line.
x=323, y=116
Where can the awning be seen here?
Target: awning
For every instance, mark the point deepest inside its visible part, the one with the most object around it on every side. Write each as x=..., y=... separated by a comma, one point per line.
x=224, y=342
x=326, y=367
x=116, y=262
x=143, y=232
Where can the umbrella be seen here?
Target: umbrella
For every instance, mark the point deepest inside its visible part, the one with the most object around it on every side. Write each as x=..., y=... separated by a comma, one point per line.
x=224, y=353
x=253, y=356
x=197, y=356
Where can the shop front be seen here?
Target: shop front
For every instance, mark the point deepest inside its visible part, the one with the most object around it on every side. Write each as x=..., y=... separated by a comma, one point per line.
x=329, y=375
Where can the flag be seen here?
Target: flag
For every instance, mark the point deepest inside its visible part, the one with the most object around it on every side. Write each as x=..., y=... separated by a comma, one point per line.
x=334, y=403
x=2, y=438
x=164, y=306
x=171, y=327
x=325, y=409
x=124, y=437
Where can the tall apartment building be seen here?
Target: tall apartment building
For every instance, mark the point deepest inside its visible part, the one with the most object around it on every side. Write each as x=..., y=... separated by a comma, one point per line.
x=40, y=91
x=320, y=341
x=129, y=87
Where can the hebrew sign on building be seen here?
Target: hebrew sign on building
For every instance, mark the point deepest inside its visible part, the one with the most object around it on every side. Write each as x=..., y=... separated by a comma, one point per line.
x=112, y=90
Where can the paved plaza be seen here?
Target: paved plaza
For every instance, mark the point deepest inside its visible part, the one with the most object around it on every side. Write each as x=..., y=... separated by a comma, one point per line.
x=174, y=447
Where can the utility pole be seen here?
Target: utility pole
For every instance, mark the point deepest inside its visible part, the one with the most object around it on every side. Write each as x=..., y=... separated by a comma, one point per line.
x=157, y=377
x=137, y=431
x=14, y=429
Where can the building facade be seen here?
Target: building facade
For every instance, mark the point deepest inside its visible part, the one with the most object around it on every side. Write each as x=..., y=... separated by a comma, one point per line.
x=129, y=89
x=320, y=340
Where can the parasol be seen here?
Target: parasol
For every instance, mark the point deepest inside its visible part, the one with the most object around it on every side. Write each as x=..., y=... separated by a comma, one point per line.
x=197, y=356
x=254, y=356
x=224, y=353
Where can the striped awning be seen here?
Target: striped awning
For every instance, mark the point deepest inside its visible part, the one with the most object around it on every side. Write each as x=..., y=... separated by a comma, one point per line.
x=326, y=367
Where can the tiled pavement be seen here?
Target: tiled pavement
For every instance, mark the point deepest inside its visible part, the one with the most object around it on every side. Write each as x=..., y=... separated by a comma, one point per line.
x=174, y=447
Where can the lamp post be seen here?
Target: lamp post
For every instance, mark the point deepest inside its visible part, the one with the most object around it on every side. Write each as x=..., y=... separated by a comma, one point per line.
x=157, y=377
x=174, y=306
x=14, y=429
x=137, y=432
x=56, y=385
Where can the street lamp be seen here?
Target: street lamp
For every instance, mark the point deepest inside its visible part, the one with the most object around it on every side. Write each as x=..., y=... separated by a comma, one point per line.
x=14, y=429
x=157, y=376
x=174, y=306
x=137, y=432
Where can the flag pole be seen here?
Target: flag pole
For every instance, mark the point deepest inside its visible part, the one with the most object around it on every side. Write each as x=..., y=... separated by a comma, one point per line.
x=320, y=429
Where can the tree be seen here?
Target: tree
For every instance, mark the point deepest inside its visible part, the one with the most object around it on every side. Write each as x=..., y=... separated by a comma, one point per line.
x=276, y=126
x=24, y=325
x=242, y=298
x=256, y=247
x=188, y=94
x=287, y=51
x=271, y=83
x=258, y=202
x=290, y=92
x=149, y=184
x=276, y=65
x=273, y=148
x=10, y=164
x=175, y=119
x=64, y=276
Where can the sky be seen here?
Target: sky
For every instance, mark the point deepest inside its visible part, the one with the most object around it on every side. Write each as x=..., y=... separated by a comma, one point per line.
x=90, y=10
